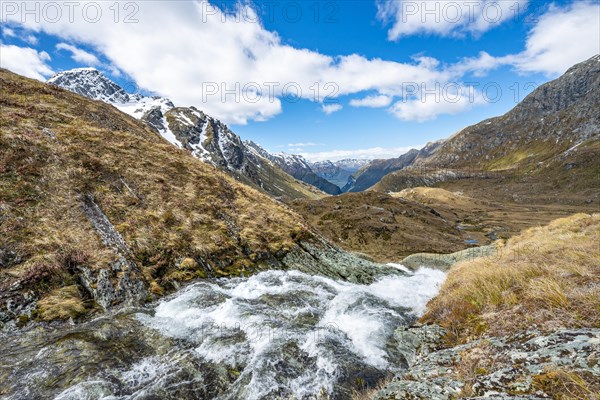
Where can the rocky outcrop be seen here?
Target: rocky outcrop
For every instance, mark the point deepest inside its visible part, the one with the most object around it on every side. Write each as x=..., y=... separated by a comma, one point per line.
x=445, y=261
x=130, y=288
x=512, y=367
x=318, y=257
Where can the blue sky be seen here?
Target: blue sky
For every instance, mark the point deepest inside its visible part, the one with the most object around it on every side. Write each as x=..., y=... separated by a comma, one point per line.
x=369, y=48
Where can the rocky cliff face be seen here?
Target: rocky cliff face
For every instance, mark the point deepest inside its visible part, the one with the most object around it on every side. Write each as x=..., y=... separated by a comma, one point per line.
x=207, y=138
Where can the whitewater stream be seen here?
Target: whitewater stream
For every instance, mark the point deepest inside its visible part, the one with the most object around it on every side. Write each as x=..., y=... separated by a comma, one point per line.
x=277, y=334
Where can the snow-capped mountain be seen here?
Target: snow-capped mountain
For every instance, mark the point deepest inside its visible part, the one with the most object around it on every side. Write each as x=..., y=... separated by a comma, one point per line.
x=90, y=82
x=351, y=164
x=298, y=167
x=189, y=128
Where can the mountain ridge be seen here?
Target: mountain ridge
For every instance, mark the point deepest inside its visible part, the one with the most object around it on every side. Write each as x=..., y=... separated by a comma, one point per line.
x=207, y=138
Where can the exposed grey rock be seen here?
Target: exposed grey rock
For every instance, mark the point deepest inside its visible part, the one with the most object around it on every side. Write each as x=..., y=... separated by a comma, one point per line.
x=130, y=290
x=49, y=133
x=107, y=232
x=321, y=258
x=445, y=261
x=517, y=359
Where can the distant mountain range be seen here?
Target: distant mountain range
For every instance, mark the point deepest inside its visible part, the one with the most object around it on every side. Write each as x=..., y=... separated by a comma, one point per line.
x=213, y=142
x=338, y=172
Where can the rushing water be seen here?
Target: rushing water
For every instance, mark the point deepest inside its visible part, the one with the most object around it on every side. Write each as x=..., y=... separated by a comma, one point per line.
x=278, y=334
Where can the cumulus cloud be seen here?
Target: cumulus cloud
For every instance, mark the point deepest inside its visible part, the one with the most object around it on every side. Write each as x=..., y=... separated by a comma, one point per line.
x=229, y=65
x=446, y=17
x=25, y=61
x=563, y=36
x=79, y=55
x=331, y=108
x=372, y=101
x=559, y=39
x=428, y=106
x=368, y=154
x=210, y=53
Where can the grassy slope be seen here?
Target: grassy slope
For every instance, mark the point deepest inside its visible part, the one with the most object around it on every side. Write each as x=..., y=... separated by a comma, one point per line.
x=383, y=227
x=531, y=175
x=388, y=227
x=546, y=277
x=167, y=205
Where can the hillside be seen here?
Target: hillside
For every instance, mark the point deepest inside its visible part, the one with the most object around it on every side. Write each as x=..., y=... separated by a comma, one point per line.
x=545, y=149
x=372, y=172
x=520, y=322
x=383, y=227
x=296, y=166
x=389, y=227
x=97, y=209
x=207, y=138
x=534, y=164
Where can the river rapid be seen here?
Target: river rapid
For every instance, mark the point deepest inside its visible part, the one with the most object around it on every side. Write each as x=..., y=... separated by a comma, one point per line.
x=277, y=334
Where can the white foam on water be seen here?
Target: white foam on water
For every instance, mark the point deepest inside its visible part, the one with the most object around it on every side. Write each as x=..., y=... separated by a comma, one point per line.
x=285, y=331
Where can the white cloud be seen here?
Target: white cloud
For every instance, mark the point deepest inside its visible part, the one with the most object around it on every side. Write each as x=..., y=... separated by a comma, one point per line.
x=446, y=17
x=331, y=108
x=308, y=144
x=31, y=39
x=7, y=32
x=429, y=107
x=369, y=154
x=207, y=52
x=78, y=55
x=372, y=101
x=25, y=61
x=561, y=38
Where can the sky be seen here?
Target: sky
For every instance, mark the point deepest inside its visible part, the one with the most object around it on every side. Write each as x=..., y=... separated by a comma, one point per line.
x=325, y=79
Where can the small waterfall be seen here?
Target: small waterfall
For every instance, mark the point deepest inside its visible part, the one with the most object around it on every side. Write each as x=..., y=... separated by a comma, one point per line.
x=277, y=334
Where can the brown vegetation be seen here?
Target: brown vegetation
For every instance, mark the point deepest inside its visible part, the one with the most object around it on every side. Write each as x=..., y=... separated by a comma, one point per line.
x=57, y=148
x=546, y=277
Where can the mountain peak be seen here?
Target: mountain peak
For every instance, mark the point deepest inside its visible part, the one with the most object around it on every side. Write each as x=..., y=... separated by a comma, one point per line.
x=90, y=82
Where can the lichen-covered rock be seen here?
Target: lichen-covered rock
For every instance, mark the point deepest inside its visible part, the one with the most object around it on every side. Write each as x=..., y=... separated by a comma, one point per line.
x=512, y=364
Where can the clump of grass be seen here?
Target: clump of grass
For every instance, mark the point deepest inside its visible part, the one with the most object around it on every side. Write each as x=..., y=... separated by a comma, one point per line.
x=61, y=303
x=367, y=393
x=562, y=384
x=546, y=277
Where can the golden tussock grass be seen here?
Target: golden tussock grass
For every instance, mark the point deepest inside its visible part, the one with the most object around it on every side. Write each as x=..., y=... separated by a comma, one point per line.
x=61, y=303
x=166, y=204
x=546, y=277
